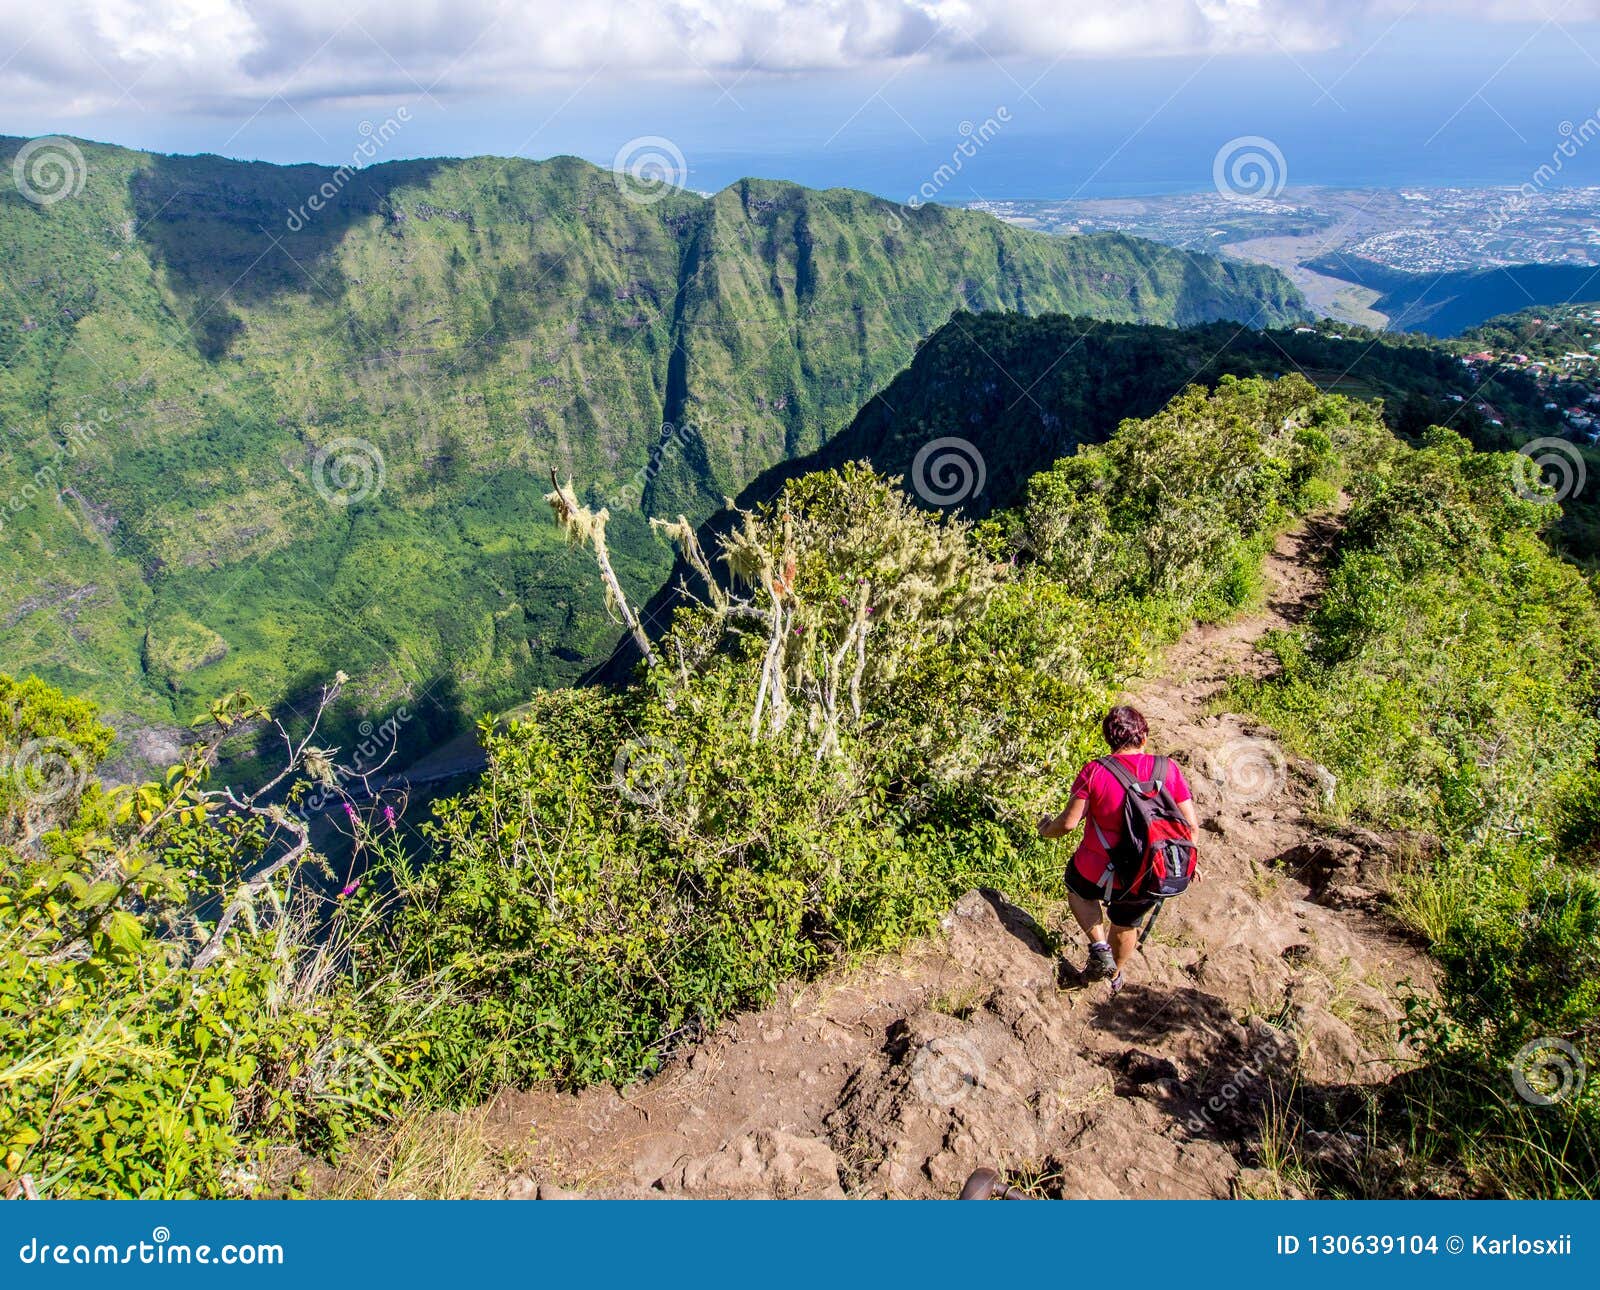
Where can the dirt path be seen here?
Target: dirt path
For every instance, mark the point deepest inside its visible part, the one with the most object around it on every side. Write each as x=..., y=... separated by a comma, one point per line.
x=979, y=1047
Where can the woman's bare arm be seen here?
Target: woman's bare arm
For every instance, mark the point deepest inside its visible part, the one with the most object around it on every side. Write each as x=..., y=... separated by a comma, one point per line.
x=1058, y=826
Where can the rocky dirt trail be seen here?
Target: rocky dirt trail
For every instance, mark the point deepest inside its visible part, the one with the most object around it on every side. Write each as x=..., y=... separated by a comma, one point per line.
x=1273, y=978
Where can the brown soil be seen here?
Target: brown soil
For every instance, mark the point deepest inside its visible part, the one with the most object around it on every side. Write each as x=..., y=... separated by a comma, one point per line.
x=1272, y=980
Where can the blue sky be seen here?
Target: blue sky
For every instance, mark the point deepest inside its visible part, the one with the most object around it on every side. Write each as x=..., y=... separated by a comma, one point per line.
x=1096, y=99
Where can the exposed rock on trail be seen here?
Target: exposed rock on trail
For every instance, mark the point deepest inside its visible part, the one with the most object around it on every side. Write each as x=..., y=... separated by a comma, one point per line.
x=980, y=1047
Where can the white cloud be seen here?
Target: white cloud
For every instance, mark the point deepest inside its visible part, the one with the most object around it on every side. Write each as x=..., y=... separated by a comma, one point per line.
x=83, y=56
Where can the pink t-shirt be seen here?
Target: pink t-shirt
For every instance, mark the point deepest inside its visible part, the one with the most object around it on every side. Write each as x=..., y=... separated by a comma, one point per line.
x=1099, y=787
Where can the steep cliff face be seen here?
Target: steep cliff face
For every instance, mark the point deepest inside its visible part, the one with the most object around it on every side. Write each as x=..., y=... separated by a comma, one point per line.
x=262, y=422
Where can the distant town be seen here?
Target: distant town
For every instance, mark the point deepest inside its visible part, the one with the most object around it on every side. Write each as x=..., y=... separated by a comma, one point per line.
x=1337, y=244
x=1422, y=230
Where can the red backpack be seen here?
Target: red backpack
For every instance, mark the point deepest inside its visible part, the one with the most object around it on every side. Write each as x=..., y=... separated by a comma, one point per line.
x=1156, y=855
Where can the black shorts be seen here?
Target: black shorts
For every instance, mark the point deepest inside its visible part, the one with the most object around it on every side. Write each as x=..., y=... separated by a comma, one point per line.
x=1121, y=912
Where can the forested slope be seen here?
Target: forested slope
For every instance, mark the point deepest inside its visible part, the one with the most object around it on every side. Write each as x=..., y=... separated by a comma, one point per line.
x=248, y=440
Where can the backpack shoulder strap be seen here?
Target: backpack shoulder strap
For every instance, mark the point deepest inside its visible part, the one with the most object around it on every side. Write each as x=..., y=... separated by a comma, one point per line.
x=1156, y=782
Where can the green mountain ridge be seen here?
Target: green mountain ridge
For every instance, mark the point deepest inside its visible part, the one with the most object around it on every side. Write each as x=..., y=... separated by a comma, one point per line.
x=999, y=397
x=247, y=442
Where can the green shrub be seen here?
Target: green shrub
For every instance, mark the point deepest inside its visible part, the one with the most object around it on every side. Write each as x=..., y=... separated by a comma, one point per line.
x=1182, y=506
x=125, y=1070
x=1449, y=679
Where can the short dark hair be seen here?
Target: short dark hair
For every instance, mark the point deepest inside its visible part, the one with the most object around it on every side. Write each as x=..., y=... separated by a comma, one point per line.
x=1124, y=726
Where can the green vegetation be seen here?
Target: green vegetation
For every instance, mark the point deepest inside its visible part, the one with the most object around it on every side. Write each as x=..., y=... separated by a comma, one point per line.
x=126, y=1068
x=822, y=766
x=245, y=446
x=1027, y=390
x=1449, y=680
x=815, y=769
x=853, y=718
x=1548, y=334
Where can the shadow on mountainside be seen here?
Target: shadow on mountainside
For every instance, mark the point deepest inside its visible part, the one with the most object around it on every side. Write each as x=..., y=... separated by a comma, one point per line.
x=1273, y=981
x=1020, y=394
x=231, y=232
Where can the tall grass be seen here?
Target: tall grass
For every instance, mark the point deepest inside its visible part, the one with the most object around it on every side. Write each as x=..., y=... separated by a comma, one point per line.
x=1450, y=679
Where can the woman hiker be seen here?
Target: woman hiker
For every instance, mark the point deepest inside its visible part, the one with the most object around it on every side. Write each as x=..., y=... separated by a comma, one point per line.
x=1111, y=926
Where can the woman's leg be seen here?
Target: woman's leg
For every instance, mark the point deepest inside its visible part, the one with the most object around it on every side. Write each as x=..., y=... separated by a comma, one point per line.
x=1090, y=916
x=1124, y=941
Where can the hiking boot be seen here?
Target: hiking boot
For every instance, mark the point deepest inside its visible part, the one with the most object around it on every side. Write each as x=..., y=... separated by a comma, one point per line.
x=1102, y=964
